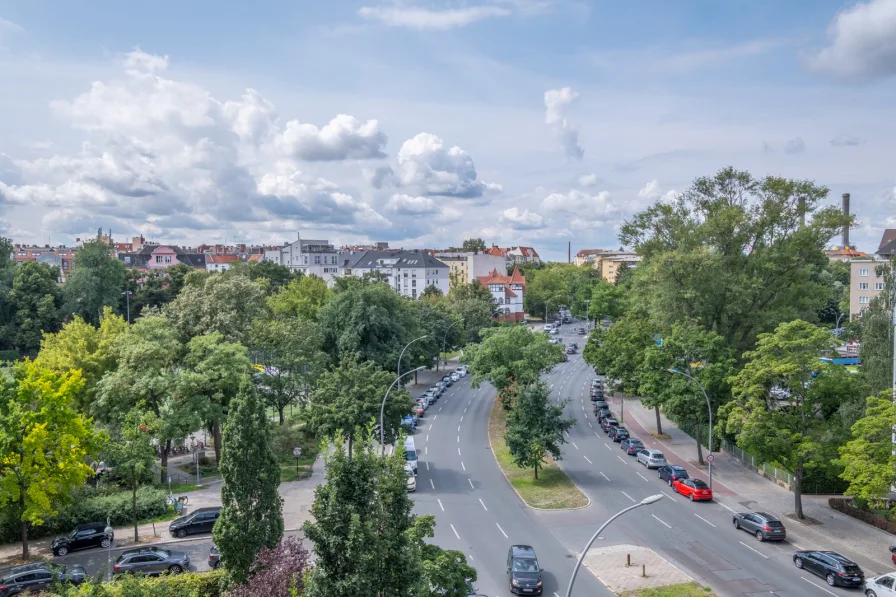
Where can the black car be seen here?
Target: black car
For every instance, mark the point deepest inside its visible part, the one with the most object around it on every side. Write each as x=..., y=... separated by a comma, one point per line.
x=617, y=434
x=671, y=473
x=91, y=534
x=830, y=565
x=603, y=414
x=214, y=557
x=200, y=521
x=34, y=578
x=523, y=571
x=599, y=404
x=597, y=395
x=631, y=445
x=765, y=526
x=608, y=423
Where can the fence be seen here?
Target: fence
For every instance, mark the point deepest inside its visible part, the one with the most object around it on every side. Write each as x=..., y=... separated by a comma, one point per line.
x=178, y=477
x=766, y=470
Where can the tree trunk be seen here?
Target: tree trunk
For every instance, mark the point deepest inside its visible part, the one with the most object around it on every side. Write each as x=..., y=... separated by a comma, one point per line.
x=699, y=446
x=659, y=425
x=134, y=503
x=23, y=525
x=164, y=467
x=536, y=471
x=281, y=409
x=217, y=434
x=350, y=447
x=798, y=492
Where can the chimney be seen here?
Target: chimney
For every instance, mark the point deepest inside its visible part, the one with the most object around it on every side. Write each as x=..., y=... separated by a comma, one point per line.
x=569, y=252
x=846, y=213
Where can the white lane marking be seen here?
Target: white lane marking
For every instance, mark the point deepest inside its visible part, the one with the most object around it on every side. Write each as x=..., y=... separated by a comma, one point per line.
x=458, y=428
x=667, y=495
x=606, y=446
x=818, y=586
x=726, y=507
x=462, y=465
x=622, y=459
x=435, y=417
x=458, y=451
x=440, y=504
x=751, y=549
x=427, y=437
x=433, y=485
x=704, y=520
x=458, y=439
x=426, y=449
x=583, y=407
x=454, y=529
x=642, y=476
x=483, y=504
x=605, y=477
x=470, y=556
x=556, y=595
x=552, y=386
x=589, y=460
x=502, y=531
x=471, y=483
x=590, y=425
x=595, y=433
x=628, y=496
x=574, y=444
x=426, y=462
x=655, y=516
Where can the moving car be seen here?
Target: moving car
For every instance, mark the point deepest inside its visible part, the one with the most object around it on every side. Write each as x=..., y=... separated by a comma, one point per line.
x=617, y=434
x=524, y=571
x=214, y=557
x=410, y=453
x=608, y=424
x=580, y=331
x=91, y=534
x=765, y=526
x=37, y=577
x=831, y=566
x=651, y=458
x=151, y=561
x=881, y=586
x=200, y=520
x=631, y=445
x=671, y=473
x=693, y=489
x=412, y=480
x=570, y=350
x=573, y=344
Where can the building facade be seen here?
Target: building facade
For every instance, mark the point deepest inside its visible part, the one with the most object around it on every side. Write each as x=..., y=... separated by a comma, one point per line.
x=515, y=255
x=464, y=267
x=610, y=263
x=310, y=257
x=220, y=263
x=159, y=257
x=409, y=273
x=864, y=284
x=508, y=293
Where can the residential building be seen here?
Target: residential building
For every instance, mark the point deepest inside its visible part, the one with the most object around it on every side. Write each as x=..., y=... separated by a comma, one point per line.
x=609, y=262
x=588, y=256
x=464, y=267
x=155, y=257
x=220, y=263
x=59, y=256
x=515, y=255
x=845, y=253
x=377, y=246
x=310, y=257
x=409, y=273
x=508, y=293
x=864, y=284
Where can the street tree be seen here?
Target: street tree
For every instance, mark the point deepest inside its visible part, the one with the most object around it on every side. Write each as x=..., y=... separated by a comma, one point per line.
x=277, y=572
x=251, y=517
x=511, y=357
x=445, y=571
x=619, y=351
x=874, y=328
x=133, y=454
x=473, y=245
x=777, y=412
x=303, y=297
x=607, y=301
x=217, y=303
x=440, y=328
x=535, y=427
x=431, y=294
x=868, y=459
x=34, y=300
x=349, y=397
x=97, y=281
x=44, y=442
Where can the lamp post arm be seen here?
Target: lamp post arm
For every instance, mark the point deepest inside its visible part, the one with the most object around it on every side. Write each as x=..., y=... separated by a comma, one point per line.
x=383, y=406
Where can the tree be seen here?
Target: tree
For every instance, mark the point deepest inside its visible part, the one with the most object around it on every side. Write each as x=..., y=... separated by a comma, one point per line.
x=473, y=245
x=97, y=281
x=217, y=303
x=349, y=397
x=431, y=294
x=277, y=572
x=79, y=345
x=777, y=411
x=868, y=460
x=473, y=290
x=149, y=291
x=835, y=276
x=273, y=275
x=874, y=327
x=133, y=454
x=303, y=297
x=511, y=357
x=290, y=350
x=732, y=253
x=44, y=442
x=439, y=327
x=607, y=301
x=177, y=278
x=445, y=571
x=535, y=427
x=34, y=300
x=251, y=517
x=619, y=352
x=7, y=274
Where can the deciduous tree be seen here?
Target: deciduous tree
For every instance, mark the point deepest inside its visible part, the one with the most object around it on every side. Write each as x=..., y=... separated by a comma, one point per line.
x=132, y=453
x=273, y=275
x=535, y=427
x=303, y=297
x=217, y=303
x=277, y=572
x=445, y=571
x=97, y=281
x=474, y=245
x=868, y=460
x=34, y=301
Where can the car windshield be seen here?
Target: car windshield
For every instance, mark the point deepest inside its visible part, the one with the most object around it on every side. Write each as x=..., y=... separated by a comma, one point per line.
x=525, y=565
x=657, y=455
x=410, y=455
x=409, y=472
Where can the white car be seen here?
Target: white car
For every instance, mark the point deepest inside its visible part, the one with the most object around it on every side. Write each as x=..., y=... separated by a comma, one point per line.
x=462, y=371
x=412, y=480
x=555, y=331
x=881, y=586
x=455, y=376
x=651, y=458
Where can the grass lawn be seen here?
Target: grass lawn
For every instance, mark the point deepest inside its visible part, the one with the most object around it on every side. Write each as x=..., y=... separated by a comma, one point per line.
x=552, y=491
x=288, y=471
x=690, y=589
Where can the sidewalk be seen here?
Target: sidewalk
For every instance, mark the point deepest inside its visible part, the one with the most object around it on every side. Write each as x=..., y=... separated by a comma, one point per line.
x=740, y=486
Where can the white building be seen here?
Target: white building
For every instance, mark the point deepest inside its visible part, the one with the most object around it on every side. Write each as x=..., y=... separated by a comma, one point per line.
x=464, y=267
x=508, y=292
x=310, y=257
x=220, y=263
x=409, y=273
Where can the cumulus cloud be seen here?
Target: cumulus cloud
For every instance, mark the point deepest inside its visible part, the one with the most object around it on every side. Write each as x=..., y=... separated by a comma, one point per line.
x=345, y=137
x=406, y=204
x=556, y=101
x=795, y=145
x=411, y=17
x=585, y=207
x=862, y=42
x=589, y=180
x=845, y=141
x=140, y=60
x=522, y=219
x=653, y=190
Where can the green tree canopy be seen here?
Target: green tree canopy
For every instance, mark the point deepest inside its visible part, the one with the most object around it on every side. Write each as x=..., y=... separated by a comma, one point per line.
x=303, y=297
x=132, y=453
x=619, y=352
x=474, y=245
x=445, y=571
x=535, y=427
x=97, y=281
x=217, y=303
x=273, y=275
x=34, y=301
x=868, y=460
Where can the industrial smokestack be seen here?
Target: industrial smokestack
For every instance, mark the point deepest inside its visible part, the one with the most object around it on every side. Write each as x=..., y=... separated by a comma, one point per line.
x=846, y=213
x=569, y=252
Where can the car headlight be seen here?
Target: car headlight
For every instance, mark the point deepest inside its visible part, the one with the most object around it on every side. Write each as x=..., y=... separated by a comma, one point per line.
x=515, y=582
x=538, y=584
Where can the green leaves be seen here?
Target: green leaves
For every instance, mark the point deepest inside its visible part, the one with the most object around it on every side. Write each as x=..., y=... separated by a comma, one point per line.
x=868, y=459
x=34, y=301
x=303, y=297
x=97, y=281
x=511, y=355
x=535, y=427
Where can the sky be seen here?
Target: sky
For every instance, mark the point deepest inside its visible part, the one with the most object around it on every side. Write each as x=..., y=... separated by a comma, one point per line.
x=425, y=122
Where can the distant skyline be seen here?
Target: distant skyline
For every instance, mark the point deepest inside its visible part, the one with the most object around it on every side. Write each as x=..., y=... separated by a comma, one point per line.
x=425, y=122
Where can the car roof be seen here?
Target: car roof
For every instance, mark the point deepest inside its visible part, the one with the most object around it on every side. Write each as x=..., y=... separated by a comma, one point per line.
x=207, y=509
x=28, y=568
x=676, y=467
x=90, y=525
x=522, y=551
x=652, y=451
x=139, y=550
x=838, y=557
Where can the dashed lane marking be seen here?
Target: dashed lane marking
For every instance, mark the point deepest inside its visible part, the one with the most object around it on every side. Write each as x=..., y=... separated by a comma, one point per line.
x=471, y=483
x=817, y=586
x=502, y=531
x=628, y=496
x=590, y=425
x=431, y=484
x=642, y=476
x=753, y=550
x=462, y=465
x=726, y=507
x=458, y=439
x=440, y=504
x=483, y=504
x=458, y=427
x=666, y=494
x=604, y=476
x=607, y=446
x=589, y=461
x=458, y=451
x=454, y=529
x=575, y=446
x=426, y=449
x=426, y=462
x=655, y=516
x=622, y=459
x=704, y=520
x=427, y=437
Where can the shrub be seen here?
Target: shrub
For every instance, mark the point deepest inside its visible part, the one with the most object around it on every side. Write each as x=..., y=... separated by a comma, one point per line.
x=189, y=584
x=276, y=572
x=846, y=506
x=8, y=355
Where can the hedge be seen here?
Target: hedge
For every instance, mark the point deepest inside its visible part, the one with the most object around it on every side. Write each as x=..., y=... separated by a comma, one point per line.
x=846, y=506
x=8, y=355
x=188, y=584
x=90, y=505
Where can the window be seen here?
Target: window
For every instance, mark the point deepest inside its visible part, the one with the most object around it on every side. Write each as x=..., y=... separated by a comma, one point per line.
x=414, y=283
x=863, y=300
x=158, y=259
x=167, y=258
x=306, y=260
x=886, y=581
x=317, y=260
x=878, y=285
x=65, y=264
x=863, y=285
x=863, y=272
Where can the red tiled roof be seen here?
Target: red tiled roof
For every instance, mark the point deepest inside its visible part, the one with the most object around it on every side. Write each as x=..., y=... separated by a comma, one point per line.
x=509, y=293
x=495, y=278
x=497, y=251
x=255, y=257
x=221, y=258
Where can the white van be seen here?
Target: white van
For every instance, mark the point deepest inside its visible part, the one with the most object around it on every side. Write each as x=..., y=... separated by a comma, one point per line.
x=410, y=453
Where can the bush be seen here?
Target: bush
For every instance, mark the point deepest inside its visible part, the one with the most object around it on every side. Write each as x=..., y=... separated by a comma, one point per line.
x=90, y=505
x=286, y=437
x=189, y=584
x=8, y=355
x=846, y=506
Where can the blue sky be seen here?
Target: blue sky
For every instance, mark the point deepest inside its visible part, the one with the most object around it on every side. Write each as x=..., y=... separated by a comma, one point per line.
x=136, y=116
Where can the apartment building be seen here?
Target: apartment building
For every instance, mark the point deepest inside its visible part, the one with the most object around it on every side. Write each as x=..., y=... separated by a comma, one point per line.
x=310, y=257
x=515, y=255
x=220, y=263
x=156, y=257
x=508, y=293
x=464, y=267
x=865, y=283
x=609, y=262
x=409, y=273
x=59, y=256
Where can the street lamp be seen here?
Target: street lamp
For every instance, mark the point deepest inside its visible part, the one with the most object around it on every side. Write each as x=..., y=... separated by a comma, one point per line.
x=645, y=502
x=445, y=337
x=709, y=407
x=398, y=372
x=546, y=306
x=383, y=408
x=127, y=298
x=587, y=314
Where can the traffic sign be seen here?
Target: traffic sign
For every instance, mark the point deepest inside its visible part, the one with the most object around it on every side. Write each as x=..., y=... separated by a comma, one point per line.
x=710, y=458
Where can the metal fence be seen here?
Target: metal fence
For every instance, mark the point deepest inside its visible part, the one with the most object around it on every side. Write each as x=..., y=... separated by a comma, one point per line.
x=772, y=472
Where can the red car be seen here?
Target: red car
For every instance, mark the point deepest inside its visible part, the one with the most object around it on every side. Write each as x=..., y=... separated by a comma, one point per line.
x=418, y=410
x=693, y=489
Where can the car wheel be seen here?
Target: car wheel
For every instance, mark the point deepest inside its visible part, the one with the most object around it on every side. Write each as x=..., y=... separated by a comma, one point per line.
x=798, y=562
x=870, y=593
x=217, y=564
x=105, y=543
x=759, y=536
x=61, y=551
x=831, y=579
x=180, y=533
x=737, y=524
x=691, y=497
x=176, y=569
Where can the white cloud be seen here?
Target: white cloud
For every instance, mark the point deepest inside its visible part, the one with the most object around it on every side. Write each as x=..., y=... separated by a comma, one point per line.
x=862, y=42
x=406, y=204
x=450, y=215
x=589, y=180
x=795, y=145
x=522, y=219
x=140, y=60
x=842, y=140
x=345, y=137
x=584, y=206
x=421, y=18
x=651, y=190
x=555, y=103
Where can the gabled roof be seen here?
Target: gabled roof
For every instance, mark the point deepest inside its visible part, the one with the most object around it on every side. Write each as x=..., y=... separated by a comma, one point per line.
x=495, y=278
x=408, y=259
x=888, y=237
x=255, y=257
x=221, y=258
x=497, y=251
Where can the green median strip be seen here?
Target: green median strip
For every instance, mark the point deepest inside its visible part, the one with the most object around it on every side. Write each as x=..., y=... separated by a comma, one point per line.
x=552, y=491
x=690, y=589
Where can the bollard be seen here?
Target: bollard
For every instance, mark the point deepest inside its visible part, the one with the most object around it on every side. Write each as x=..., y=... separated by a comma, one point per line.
x=643, y=570
x=628, y=560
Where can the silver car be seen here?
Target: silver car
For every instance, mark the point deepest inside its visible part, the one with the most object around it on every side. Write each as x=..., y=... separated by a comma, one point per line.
x=651, y=458
x=151, y=561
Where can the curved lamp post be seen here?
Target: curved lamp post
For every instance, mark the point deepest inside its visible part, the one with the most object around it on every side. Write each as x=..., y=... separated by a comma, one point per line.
x=645, y=502
x=560, y=296
x=709, y=407
x=398, y=372
x=383, y=407
x=445, y=337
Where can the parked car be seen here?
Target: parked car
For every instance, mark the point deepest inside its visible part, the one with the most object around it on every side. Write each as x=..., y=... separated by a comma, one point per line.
x=881, y=586
x=462, y=371
x=214, y=557
x=37, y=577
x=603, y=413
x=631, y=445
x=412, y=479
x=597, y=393
x=671, y=473
x=455, y=377
x=523, y=571
x=409, y=423
x=651, y=458
x=200, y=520
x=693, y=489
x=599, y=404
x=608, y=423
x=447, y=381
x=617, y=434
x=597, y=382
x=555, y=331
x=151, y=561
x=580, y=331
x=573, y=345
x=84, y=536
x=831, y=566
x=418, y=410
x=765, y=526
